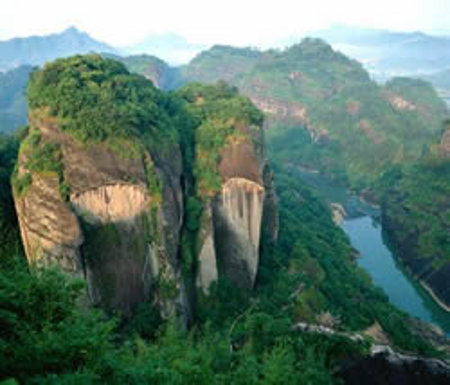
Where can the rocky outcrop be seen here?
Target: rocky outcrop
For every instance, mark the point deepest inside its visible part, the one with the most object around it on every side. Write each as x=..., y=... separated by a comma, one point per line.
x=115, y=231
x=50, y=230
x=390, y=368
x=399, y=103
x=230, y=234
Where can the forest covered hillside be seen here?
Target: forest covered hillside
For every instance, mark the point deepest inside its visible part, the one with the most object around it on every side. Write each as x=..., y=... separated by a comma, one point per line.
x=343, y=123
x=238, y=332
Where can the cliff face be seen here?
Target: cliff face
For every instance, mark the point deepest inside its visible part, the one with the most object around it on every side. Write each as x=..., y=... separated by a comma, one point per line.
x=113, y=230
x=50, y=230
x=106, y=168
x=230, y=235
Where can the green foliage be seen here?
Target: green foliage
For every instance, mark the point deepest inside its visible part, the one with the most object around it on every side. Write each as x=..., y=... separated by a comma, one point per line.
x=13, y=106
x=9, y=230
x=314, y=255
x=417, y=212
x=357, y=133
x=239, y=336
x=163, y=76
x=98, y=98
x=43, y=329
x=219, y=111
x=44, y=158
x=154, y=184
x=46, y=337
x=22, y=183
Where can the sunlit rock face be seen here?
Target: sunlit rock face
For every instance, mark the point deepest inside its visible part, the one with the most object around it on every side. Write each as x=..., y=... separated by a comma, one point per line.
x=110, y=229
x=235, y=222
x=50, y=231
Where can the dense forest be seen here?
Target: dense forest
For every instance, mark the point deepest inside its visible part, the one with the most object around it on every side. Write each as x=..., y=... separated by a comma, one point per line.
x=237, y=335
x=324, y=113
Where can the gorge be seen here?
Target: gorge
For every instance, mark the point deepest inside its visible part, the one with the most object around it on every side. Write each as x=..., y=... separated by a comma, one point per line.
x=187, y=242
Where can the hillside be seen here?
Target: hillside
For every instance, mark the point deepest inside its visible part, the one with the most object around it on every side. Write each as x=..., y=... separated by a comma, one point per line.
x=344, y=124
x=171, y=193
x=153, y=68
x=416, y=217
x=441, y=81
x=13, y=108
x=36, y=50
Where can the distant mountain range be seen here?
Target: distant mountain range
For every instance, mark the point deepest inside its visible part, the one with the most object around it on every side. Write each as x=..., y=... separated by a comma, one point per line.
x=13, y=106
x=386, y=54
x=383, y=53
x=36, y=50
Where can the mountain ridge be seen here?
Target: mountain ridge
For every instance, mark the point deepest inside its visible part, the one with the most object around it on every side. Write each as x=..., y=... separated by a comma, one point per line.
x=37, y=49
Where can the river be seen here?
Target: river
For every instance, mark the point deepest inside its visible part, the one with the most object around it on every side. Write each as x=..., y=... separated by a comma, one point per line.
x=364, y=230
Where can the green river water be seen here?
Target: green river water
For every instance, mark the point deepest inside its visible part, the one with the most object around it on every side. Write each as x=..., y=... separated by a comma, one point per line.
x=364, y=230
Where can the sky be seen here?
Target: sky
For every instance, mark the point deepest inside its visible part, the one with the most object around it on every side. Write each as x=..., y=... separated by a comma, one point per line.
x=236, y=22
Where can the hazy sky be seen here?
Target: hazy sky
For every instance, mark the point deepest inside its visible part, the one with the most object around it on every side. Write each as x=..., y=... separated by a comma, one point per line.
x=238, y=22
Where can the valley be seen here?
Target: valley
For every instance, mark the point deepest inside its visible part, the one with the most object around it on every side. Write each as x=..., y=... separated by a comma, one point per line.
x=176, y=224
x=363, y=227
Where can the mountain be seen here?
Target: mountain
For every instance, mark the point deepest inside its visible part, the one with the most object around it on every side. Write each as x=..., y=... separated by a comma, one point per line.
x=387, y=54
x=13, y=107
x=441, y=81
x=36, y=50
x=116, y=158
x=170, y=47
x=415, y=202
x=326, y=106
x=163, y=247
x=158, y=71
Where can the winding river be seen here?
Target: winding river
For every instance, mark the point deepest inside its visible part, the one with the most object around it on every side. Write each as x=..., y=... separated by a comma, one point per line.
x=364, y=230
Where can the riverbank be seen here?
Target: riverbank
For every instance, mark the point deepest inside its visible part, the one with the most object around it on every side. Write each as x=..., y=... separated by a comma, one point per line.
x=363, y=226
x=434, y=296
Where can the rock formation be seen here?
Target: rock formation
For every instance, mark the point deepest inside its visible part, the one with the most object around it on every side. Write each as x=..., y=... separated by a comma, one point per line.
x=105, y=201
x=231, y=233
x=112, y=229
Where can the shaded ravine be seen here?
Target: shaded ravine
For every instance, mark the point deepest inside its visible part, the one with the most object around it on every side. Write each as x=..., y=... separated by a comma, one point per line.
x=365, y=233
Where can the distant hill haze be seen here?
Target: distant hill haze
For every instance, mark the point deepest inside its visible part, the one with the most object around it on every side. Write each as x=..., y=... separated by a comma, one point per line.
x=36, y=50
x=169, y=47
x=13, y=107
x=387, y=53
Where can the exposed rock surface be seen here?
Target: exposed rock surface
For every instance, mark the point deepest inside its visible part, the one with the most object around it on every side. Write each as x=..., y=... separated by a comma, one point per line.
x=50, y=230
x=398, y=102
x=388, y=368
x=246, y=195
x=107, y=230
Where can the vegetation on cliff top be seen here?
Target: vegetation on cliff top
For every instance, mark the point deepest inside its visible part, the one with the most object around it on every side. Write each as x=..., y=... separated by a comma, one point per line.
x=219, y=111
x=240, y=336
x=96, y=99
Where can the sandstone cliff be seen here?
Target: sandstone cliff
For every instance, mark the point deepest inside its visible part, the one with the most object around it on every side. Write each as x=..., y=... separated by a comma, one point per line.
x=112, y=229
x=106, y=170
x=230, y=235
